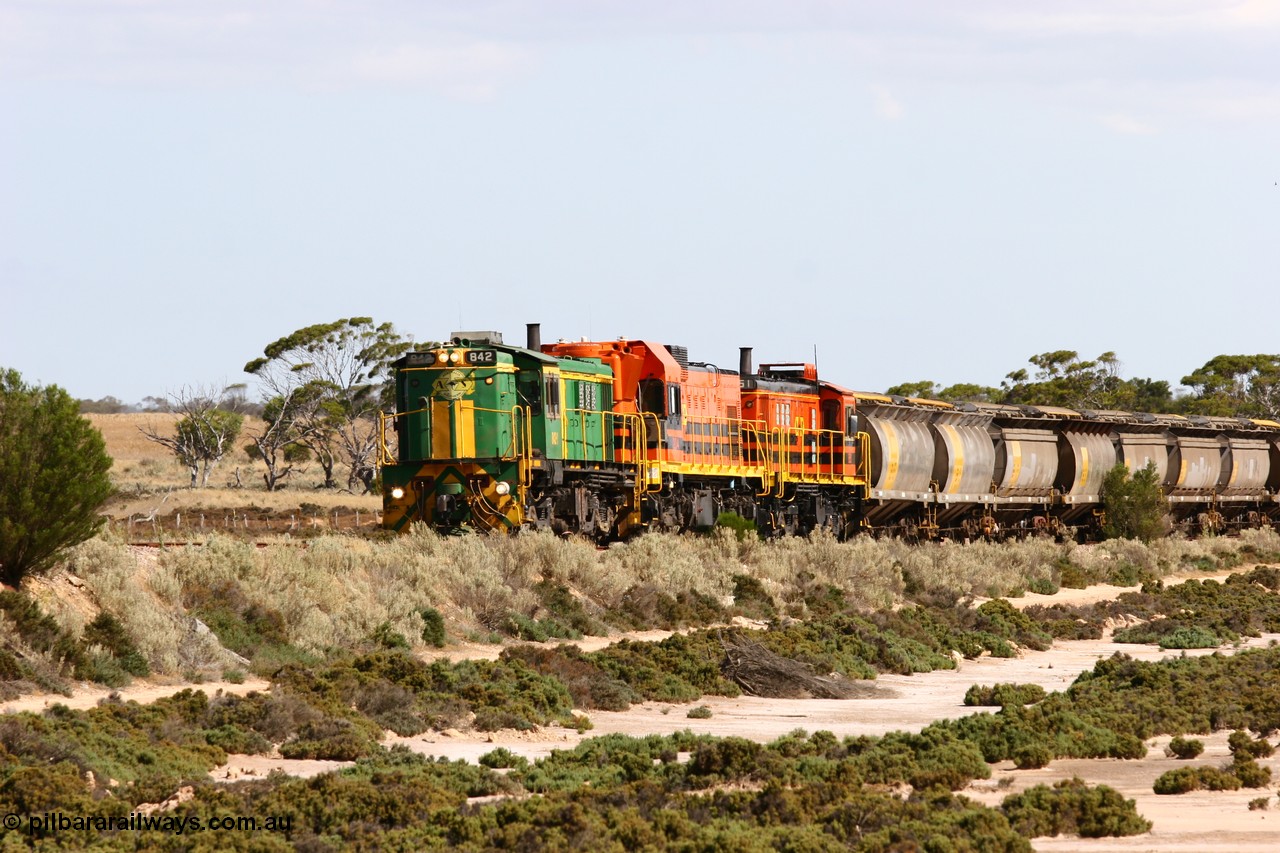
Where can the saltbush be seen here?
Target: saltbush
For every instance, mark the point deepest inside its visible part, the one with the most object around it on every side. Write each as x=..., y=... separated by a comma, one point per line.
x=1242, y=745
x=1003, y=695
x=1072, y=807
x=433, y=633
x=1184, y=748
x=1186, y=779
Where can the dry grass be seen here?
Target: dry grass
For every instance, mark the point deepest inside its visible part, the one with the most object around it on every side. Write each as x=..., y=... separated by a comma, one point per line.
x=149, y=480
x=338, y=590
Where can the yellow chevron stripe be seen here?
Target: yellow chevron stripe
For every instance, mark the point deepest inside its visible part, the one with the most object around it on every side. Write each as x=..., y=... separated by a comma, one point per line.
x=441, y=433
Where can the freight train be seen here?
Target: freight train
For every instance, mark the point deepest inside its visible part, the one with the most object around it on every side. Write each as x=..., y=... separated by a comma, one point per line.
x=608, y=438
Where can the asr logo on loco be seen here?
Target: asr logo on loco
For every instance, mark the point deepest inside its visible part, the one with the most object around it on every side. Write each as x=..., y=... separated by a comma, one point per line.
x=454, y=385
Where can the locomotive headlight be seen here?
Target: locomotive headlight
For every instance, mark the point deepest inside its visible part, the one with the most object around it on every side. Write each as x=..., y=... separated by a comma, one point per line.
x=503, y=488
x=397, y=493
x=455, y=357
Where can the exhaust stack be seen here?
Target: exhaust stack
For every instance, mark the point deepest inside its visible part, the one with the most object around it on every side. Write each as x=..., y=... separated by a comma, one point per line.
x=744, y=361
x=533, y=339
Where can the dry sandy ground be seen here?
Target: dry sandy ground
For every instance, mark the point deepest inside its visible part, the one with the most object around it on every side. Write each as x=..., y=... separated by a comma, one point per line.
x=89, y=695
x=1216, y=822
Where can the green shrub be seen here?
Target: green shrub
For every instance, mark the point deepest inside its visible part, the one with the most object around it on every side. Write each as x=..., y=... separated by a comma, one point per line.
x=1073, y=807
x=102, y=668
x=1003, y=619
x=588, y=684
x=1003, y=695
x=1184, y=748
x=751, y=599
x=1186, y=779
x=10, y=669
x=1032, y=756
x=1190, y=638
x=233, y=739
x=538, y=630
x=107, y=631
x=1135, y=505
x=741, y=527
x=40, y=631
x=433, y=633
x=1250, y=773
x=1242, y=745
x=646, y=606
x=702, y=712
x=331, y=738
x=386, y=637
x=1180, y=781
x=1043, y=586
x=503, y=758
x=568, y=615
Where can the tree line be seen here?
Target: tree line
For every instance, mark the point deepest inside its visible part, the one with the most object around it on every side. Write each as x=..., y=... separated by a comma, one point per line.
x=323, y=387
x=1225, y=386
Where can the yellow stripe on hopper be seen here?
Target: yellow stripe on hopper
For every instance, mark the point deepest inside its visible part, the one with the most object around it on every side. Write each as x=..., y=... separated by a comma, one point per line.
x=1015, y=450
x=891, y=450
x=957, y=458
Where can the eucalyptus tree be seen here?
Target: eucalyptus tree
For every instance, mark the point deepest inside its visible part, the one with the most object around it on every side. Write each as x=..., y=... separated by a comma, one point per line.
x=324, y=387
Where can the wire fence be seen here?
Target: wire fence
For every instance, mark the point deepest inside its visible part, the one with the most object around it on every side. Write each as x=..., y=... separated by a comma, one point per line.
x=239, y=522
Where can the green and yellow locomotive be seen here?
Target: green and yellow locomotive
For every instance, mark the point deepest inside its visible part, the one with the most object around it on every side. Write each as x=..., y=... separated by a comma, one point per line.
x=493, y=437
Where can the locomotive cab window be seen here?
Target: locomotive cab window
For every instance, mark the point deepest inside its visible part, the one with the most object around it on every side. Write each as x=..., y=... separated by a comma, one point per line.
x=851, y=422
x=552, y=396
x=652, y=392
x=531, y=393
x=831, y=415
x=673, y=407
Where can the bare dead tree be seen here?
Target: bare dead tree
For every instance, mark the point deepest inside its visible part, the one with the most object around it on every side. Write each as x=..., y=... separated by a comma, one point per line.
x=289, y=427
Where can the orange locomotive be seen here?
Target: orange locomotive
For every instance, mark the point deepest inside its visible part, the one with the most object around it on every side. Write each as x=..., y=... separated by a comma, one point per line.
x=777, y=446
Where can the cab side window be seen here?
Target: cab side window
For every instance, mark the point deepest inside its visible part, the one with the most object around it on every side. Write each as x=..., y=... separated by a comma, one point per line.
x=652, y=392
x=831, y=415
x=552, y=396
x=531, y=393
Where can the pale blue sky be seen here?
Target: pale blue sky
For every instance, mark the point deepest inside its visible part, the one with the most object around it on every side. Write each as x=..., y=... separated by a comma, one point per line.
x=921, y=190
